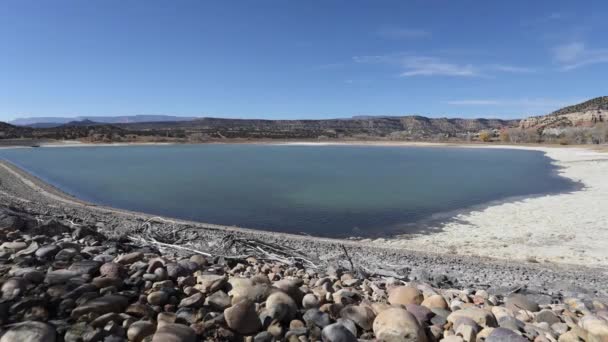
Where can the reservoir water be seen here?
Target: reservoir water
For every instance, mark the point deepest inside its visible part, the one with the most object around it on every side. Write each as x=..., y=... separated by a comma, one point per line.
x=333, y=191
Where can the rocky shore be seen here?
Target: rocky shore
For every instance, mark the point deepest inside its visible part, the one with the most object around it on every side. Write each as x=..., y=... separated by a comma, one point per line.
x=67, y=281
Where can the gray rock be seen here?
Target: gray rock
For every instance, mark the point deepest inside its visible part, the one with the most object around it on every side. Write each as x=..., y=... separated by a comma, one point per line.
x=505, y=335
x=348, y=324
x=14, y=246
x=75, y=332
x=29, y=331
x=218, y=300
x=480, y=316
x=193, y=301
x=31, y=249
x=511, y=323
x=363, y=316
x=13, y=288
x=101, y=305
x=140, y=330
x=105, y=258
x=518, y=302
x=337, y=333
x=158, y=298
x=281, y=306
x=89, y=267
x=77, y=292
x=60, y=276
x=316, y=317
x=310, y=301
x=422, y=313
x=208, y=283
x=242, y=318
x=140, y=310
x=396, y=324
x=29, y=274
x=547, y=316
x=264, y=336
x=112, y=270
x=560, y=328
x=175, y=270
x=172, y=332
x=187, y=315
x=66, y=254
x=467, y=321
x=129, y=258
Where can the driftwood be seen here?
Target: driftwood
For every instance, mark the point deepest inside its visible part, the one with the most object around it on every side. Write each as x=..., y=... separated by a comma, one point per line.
x=166, y=245
x=265, y=250
x=229, y=247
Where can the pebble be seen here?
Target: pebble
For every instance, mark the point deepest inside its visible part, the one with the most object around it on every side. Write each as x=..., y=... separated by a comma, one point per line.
x=518, y=302
x=139, y=330
x=338, y=333
x=13, y=288
x=480, y=316
x=362, y=316
x=129, y=258
x=281, y=306
x=398, y=325
x=504, y=335
x=47, y=251
x=547, y=316
x=29, y=331
x=55, y=287
x=403, y=295
x=174, y=333
x=243, y=318
x=435, y=302
x=310, y=301
x=101, y=305
x=158, y=298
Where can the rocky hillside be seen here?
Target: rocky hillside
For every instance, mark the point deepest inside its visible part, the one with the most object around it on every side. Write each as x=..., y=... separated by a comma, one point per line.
x=584, y=114
x=8, y=131
x=406, y=127
x=398, y=128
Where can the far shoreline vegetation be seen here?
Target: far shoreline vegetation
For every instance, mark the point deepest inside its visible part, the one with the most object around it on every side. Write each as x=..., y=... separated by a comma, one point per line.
x=584, y=123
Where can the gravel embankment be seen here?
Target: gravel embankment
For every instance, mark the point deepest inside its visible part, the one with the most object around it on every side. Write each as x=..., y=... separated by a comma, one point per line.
x=65, y=281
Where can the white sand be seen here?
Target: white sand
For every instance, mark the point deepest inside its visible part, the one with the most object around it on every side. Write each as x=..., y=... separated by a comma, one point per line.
x=565, y=228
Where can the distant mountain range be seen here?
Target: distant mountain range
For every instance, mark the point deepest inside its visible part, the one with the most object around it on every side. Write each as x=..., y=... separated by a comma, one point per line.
x=191, y=129
x=46, y=122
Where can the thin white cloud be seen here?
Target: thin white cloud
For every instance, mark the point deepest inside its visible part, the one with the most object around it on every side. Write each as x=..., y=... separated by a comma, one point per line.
x=544, y=19
x=473, y=102
x=403, y=33
x=413, y=65
x=511, y=68
x=575, y=55
x=431, y=66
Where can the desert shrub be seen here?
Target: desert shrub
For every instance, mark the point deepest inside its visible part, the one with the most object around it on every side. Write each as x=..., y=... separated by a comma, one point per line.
x=485, y=136
x=505, y=136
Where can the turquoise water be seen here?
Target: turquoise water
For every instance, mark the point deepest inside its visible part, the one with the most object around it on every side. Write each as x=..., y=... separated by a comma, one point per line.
x=332, y=191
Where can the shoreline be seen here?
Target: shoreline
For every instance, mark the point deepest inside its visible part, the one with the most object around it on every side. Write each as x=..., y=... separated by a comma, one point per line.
x=23, y=192
x=574, y=236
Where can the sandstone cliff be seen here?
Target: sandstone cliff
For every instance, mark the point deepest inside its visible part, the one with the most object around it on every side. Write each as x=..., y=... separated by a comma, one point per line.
x=584, y=114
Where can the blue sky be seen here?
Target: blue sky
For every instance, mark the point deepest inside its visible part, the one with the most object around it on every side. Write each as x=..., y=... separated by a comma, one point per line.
x=300, y=59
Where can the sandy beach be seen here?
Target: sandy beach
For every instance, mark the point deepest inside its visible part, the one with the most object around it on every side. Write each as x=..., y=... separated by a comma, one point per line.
x=565, y=228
